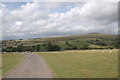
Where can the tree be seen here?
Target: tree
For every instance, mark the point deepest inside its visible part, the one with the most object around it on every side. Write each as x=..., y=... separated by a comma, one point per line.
x=55, y=48
x=116, y=44
x=8, y=49
x=67, y=43
x=20, y=48
x=51, y=47
x=85, y=46
x=38, y=47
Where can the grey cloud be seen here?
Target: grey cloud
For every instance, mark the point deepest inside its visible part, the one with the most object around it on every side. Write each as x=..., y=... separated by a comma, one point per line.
x=41, y=20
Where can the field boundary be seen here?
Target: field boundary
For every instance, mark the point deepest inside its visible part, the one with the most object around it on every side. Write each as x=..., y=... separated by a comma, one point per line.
x=53, y=73
x=3, y=76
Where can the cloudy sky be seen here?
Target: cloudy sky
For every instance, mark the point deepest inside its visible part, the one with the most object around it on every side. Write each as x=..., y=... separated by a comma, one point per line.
x=22, y=20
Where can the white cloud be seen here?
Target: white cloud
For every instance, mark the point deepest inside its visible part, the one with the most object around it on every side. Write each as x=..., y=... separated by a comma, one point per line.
x=18, y=23
x=44, y=19
x=0, y=21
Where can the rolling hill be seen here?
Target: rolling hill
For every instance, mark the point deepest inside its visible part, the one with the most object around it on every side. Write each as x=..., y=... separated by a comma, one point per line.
x=92, y=40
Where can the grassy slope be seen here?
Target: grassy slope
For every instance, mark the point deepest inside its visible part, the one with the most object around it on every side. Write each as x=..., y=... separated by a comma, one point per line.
x=83, y=64
x=81, y=37
x=0, y=65
x=9, y=61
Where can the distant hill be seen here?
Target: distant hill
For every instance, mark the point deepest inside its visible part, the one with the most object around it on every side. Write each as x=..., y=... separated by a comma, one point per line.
x=94, y=33
x=92, y=40
x=81, y=36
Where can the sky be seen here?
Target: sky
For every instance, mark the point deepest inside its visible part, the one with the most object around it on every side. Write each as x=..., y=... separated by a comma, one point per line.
x=23, y=20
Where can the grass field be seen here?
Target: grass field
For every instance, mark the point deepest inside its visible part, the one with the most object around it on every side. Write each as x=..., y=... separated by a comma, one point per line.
x=83, y=63
x=9, y=61
x=0, y=65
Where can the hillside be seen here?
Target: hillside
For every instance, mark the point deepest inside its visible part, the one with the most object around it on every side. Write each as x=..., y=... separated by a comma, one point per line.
x=92, y=40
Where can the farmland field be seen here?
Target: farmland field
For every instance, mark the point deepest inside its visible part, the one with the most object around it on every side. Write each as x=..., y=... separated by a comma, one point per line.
x=9, y=61
x=76, y=42
x=83, y=63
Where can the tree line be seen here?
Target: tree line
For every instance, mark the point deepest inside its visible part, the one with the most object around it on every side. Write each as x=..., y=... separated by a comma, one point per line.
x=22, y=48
x=48, y=46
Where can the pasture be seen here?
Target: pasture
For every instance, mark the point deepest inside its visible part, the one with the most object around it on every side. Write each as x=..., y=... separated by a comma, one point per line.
x=76, y=42
x=83, y=63
x=0, y=65
x=10, y=61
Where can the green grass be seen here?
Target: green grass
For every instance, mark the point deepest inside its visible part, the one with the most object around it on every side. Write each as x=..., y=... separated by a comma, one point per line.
x=83, y=63
x=60, y=40
x=0, y=65
x=9, y=61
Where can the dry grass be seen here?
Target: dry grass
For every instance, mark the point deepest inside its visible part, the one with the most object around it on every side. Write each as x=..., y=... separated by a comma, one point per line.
x=9, y=61
x=83, y=63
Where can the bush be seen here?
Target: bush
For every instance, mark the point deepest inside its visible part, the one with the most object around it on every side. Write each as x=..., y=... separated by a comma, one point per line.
x=85, y=47
x=51, y=47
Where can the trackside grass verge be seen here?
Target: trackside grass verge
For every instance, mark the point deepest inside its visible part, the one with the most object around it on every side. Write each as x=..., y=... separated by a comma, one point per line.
x=10, y=61
x=83, y=63
x=0, y=65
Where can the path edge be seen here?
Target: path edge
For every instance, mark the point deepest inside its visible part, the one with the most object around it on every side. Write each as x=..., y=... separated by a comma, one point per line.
x=3, y=76
x=51, y=70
